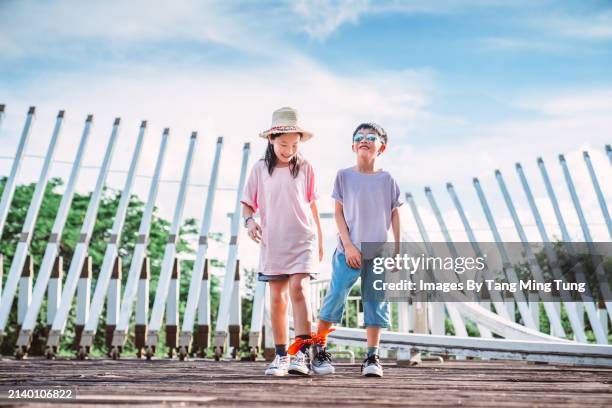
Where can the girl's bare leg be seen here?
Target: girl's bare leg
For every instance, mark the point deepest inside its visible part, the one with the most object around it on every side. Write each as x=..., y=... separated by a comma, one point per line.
x=299, y=289
x=278, y=310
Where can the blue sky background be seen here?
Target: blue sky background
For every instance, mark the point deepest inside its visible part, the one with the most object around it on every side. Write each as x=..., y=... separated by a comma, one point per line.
x=462, y=87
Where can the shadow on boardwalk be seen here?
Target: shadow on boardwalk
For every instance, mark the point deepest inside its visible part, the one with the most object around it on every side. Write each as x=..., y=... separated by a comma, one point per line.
x=204, y=382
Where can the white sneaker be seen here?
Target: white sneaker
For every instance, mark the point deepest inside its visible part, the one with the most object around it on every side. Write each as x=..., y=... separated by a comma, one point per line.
x=371, y=367
x=321, y=362
x=279, y=366
x=300, y=364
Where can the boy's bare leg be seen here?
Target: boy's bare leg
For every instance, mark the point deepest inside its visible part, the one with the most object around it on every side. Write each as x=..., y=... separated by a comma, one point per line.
x=278, y=310
x=322, y=325
x=322, y=363
x=373, y=336
x=371, y=366
x=299, y=288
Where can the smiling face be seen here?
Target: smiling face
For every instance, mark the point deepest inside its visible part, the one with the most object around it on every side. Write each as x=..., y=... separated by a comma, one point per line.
x=286, y=146
x=368, y=149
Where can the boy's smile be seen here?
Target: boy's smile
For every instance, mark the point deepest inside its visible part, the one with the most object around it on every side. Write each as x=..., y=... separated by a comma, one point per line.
x=370, y=144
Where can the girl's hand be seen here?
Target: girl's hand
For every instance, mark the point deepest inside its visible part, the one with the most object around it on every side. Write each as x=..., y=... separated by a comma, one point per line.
x=320, y=252
x=353, y=257
x=254, y=230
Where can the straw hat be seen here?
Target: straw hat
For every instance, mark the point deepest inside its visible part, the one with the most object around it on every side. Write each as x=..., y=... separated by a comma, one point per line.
x=284, y=120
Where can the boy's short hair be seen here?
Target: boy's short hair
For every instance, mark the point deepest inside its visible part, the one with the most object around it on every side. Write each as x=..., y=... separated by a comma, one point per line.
x=375, y=127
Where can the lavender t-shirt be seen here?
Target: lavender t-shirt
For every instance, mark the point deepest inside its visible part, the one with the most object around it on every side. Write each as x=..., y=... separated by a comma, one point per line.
x=367, y=200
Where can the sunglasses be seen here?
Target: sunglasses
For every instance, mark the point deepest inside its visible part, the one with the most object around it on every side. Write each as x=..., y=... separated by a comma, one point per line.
x=370, y=137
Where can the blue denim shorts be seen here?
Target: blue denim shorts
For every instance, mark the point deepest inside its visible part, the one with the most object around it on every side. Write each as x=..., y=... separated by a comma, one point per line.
x=375, y=313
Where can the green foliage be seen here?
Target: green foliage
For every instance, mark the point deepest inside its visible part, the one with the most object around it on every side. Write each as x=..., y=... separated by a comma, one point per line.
x=104, y=220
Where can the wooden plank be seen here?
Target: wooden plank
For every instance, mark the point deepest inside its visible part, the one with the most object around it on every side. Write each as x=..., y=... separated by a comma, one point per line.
x=199, y=381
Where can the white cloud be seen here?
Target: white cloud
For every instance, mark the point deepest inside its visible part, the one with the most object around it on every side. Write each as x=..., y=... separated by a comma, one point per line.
x=594, y=27
x=208, y=99
x=519, y=44
x=89, y=28
x=70, y=30
x=566, y=103
x=320, y=18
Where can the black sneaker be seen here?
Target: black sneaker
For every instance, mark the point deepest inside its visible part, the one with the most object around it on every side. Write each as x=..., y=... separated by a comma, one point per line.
x=321, y=362
x=371, y=367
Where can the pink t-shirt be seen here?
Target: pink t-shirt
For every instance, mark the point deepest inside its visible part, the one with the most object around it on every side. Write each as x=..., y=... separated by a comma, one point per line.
x=289, y=239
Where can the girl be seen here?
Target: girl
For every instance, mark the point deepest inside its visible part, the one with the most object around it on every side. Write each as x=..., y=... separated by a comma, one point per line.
x=282, y=187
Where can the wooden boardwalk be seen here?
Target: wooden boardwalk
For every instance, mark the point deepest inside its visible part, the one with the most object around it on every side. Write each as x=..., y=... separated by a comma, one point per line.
x=203, y=382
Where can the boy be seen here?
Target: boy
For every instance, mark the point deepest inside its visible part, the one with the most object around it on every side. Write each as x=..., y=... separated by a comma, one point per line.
x=367, y=201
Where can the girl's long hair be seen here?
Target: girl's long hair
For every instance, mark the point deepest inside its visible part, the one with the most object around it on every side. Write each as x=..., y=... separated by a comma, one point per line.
x=271, y=159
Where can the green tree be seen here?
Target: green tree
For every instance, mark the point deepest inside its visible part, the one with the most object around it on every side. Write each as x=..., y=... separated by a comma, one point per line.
x=104, y=220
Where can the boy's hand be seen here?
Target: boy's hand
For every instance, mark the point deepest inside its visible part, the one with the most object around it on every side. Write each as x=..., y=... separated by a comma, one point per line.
x=254, y=230
x=396, y=253
x=353, y=257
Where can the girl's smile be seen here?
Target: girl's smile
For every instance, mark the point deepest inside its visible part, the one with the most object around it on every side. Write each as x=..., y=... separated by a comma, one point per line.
x=286, y=147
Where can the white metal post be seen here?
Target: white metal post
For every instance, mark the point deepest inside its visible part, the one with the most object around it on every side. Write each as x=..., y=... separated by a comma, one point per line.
x=138, y=263
x=142, y=310
x=235, y=318
x=570, y=305
x=54, y=291
x=534, y=307
x=511, y=306
x=403, y=326
x=587, y=298
x=9, y=186
x=498, y=300
x=454, y=315
x=112, y=249
x=112, y=302
x=172, y=308
x=484, y=331
x=269, y=350
x=603, y=284
x=507, y=266
x=80, y=251
x=199, y=264
x=600, y=197
x=257, y=319
x=436, y=317
x=82, y=299
x=230, y=266
x=534, y=266
x=49, y=272
x=1, y=114
x=21, y=252
x=25, y=289
x=169, y=254
x=203, y=328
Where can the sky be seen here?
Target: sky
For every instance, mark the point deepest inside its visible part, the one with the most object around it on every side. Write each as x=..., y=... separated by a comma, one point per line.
x=462, y=87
